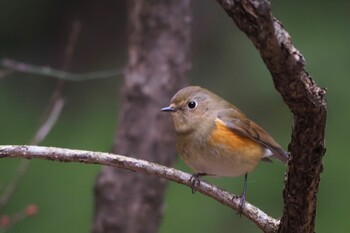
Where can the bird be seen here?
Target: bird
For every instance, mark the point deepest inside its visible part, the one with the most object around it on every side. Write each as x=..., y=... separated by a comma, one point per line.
x=215, y=138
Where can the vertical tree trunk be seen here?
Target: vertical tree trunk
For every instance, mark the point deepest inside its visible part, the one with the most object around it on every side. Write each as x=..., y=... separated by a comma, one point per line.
x=158, y=61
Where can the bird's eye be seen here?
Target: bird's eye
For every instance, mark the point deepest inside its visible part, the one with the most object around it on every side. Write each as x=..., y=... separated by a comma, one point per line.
x=192, y=104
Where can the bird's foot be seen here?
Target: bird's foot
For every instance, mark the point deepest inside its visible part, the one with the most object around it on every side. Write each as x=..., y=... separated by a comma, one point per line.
x=196, y=179
x=241, y=203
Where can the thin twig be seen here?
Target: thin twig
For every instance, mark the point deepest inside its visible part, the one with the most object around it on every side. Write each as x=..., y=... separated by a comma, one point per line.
x=261, y=219
x=40, y=135
x=71, y=45
x=55, y=73
x=56, y=102
x=51, y=115
x=29, y=211
x=49, y=123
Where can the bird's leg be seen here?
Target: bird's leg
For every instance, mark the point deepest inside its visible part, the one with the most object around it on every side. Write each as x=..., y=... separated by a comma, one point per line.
x=196, y=178
x=243, y=196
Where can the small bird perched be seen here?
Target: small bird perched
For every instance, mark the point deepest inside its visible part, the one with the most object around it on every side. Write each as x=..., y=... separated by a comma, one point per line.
x=215, y=138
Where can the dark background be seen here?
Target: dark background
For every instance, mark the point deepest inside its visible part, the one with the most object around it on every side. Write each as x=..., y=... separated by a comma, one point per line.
x=224, y=61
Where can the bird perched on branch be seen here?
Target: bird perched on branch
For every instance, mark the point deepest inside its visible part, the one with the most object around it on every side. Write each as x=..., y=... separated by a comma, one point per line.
x=215, y=138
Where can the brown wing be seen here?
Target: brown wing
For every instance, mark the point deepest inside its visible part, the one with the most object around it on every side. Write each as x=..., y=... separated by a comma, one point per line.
x=250, y=129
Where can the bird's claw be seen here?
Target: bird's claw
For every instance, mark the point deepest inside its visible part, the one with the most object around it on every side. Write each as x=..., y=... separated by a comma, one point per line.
x=195, y=179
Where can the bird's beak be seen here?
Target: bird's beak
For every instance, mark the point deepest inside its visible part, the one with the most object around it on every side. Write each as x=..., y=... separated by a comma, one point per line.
x=168, y=109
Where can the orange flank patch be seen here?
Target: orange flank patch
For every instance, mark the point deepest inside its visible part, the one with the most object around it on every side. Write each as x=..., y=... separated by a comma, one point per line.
x=227, y=139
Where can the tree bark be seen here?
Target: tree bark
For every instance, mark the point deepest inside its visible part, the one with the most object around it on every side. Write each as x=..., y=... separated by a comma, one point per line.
x=304, y=98
x=158, y=61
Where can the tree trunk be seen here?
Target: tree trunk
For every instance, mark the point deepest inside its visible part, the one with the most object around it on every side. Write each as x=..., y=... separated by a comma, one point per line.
x=158, y=61
x=305, y=100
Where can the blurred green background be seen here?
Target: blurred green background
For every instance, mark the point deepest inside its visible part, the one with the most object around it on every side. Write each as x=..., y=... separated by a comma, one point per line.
x=224, y=61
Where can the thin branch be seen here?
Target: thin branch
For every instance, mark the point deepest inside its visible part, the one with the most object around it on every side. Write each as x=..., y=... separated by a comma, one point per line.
x=29, y=211
x=51, y=115
x=56, y=102
x=69, y=50
x=55, y=73
x=261, y=219
x=40, y=135
x=46, y=127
